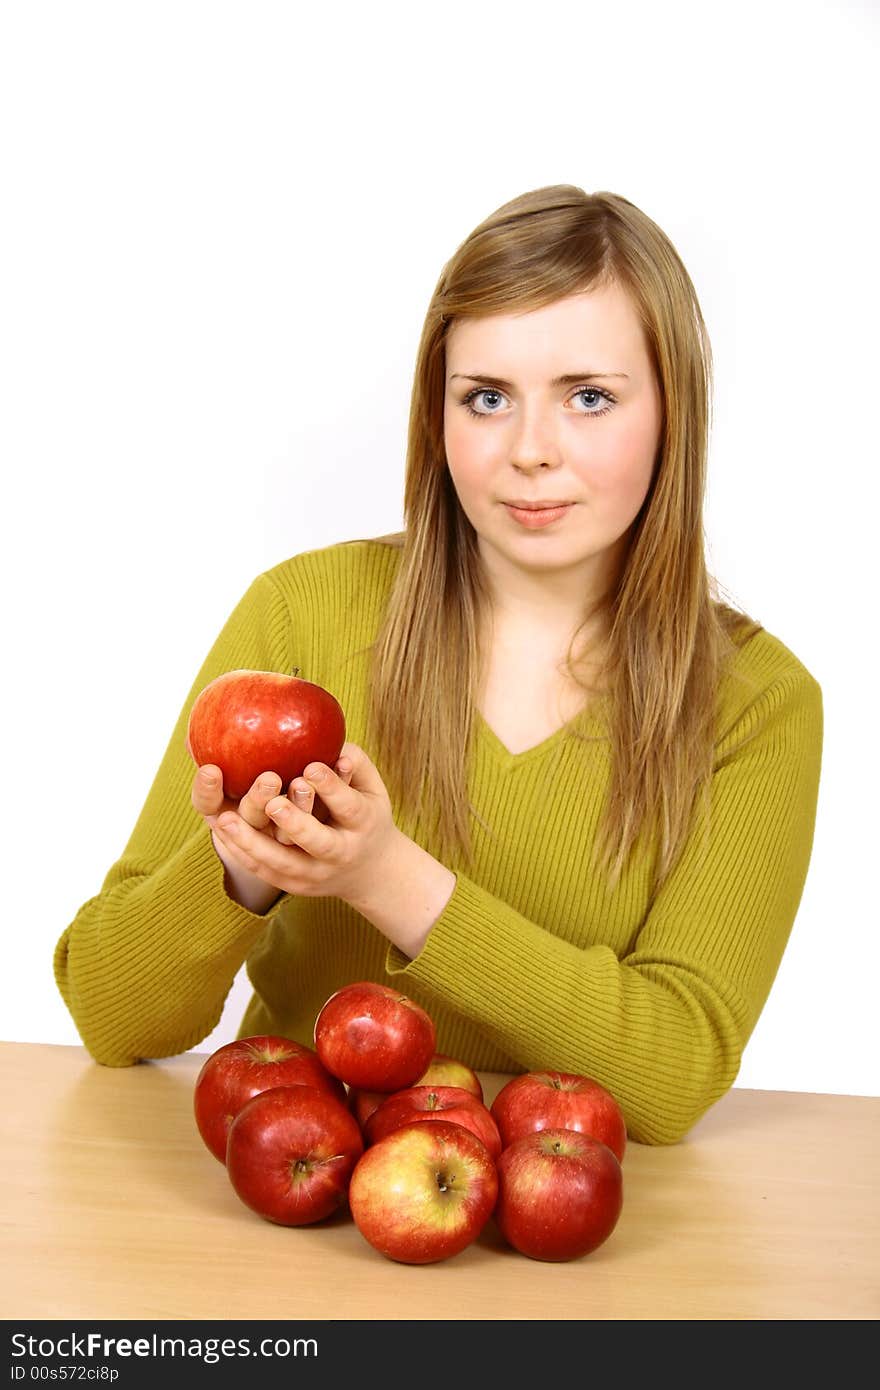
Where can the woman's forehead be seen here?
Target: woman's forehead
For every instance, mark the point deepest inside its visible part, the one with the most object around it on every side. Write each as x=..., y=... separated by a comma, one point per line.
x=591, y=333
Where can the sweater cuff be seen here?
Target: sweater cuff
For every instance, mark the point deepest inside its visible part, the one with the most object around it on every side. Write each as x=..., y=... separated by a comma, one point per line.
x=204, y=874
x=193, y=921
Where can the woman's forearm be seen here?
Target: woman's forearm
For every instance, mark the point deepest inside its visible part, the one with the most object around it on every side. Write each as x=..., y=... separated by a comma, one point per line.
x=146, y=964
x=408, y=892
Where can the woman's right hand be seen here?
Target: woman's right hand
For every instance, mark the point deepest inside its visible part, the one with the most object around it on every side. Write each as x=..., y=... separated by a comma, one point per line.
x=209, y=800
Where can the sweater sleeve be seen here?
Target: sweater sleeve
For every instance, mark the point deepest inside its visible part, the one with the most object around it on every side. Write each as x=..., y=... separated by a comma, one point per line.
x=146, y=964
x=664, y=1027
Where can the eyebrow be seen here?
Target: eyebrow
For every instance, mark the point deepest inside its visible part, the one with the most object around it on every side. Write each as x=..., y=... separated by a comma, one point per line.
x=568, y=380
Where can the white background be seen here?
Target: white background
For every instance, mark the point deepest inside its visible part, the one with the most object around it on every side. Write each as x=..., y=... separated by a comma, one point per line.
x=222, y=227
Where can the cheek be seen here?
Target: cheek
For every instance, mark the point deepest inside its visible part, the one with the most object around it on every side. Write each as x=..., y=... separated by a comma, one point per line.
x=620, y=470
x=460, y=440
x=465, y=455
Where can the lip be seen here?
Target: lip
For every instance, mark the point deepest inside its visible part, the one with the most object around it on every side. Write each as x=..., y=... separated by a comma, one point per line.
x=532, y=517
x=523, y=504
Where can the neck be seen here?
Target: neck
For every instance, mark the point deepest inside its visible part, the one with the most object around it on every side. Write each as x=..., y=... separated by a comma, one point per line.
x=509, y=633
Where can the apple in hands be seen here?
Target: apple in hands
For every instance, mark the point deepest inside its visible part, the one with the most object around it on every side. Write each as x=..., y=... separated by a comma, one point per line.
x=559, y=1100
x=291, y=1152
x=424, y=1192
x=241, y=1069
x=560, y=1193
x=373, y=1037
x=428, y=1104
x=248, y=722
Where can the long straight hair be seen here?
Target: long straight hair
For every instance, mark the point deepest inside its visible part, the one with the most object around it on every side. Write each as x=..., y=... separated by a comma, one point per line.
x=670, y=636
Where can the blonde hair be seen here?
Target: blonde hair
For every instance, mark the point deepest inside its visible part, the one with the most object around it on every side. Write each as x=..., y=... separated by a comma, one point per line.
x=670, y=638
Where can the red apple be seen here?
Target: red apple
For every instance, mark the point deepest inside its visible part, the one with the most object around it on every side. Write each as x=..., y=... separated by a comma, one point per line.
x=374, y=1037
x=248, y=722
x=363, y=1103
x=559, y=1194
x=559, y=1100
x=424, y=1192
x=291, y=1153
x=419, y=1104
x=448, y=1071
x=240, y=1070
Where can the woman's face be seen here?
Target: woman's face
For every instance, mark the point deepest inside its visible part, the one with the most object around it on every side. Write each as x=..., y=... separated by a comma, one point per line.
x=590, y=441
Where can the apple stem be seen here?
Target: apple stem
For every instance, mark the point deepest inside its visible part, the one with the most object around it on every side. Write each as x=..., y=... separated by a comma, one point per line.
x=295, y=671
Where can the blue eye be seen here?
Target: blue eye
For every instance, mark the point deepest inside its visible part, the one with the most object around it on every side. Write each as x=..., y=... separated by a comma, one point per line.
x=598, y=391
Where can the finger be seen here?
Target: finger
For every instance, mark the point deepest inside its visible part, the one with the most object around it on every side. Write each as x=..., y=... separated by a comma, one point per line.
x=303, y=828
x=207, y=790
x=320, y=809
x=302, y=796
x=305, y=792
x=262, y=854
x=365, y=776
x=340, y=797
x=233, y=852
x=252, y=806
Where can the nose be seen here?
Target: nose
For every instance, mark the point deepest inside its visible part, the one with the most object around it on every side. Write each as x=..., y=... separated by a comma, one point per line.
x=529, y=468
x=534, y=446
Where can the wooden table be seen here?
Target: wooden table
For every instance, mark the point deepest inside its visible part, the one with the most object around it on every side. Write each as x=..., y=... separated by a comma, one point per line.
x=113, y=1208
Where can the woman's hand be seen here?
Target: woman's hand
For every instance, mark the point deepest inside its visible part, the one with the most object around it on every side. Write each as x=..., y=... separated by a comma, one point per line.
x=339, y=858
x=242, y=886
x=209, y=799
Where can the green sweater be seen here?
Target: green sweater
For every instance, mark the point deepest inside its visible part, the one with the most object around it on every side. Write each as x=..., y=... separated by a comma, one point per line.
x=533, y=963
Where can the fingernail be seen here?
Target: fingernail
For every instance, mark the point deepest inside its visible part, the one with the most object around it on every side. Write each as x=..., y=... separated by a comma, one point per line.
x=317, y=775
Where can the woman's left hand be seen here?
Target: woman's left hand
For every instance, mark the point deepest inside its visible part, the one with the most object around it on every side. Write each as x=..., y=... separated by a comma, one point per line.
x=339, y=858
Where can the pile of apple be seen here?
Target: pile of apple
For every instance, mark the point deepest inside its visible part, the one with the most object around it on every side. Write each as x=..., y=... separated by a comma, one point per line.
x=375, y=1117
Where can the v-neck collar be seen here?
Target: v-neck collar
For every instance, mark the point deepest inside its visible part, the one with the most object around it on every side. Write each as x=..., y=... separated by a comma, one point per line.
x=585, y=717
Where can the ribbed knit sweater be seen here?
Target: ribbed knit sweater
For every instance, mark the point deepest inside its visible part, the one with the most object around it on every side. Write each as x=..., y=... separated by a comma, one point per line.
x=533, y=963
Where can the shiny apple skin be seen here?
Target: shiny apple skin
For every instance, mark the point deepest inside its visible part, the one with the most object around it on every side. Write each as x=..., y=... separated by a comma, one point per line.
x=427, y=1105
x=448, y=1071
x=291, y=1152
x=239, y=1070
x=423, y=1193
x=374, y=1037
x=248, y=722
x=363, y=1103
x=560, y=1194
x=559, y=1100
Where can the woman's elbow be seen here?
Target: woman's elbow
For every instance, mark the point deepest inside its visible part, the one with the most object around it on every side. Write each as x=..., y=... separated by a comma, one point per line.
x=671, y=1121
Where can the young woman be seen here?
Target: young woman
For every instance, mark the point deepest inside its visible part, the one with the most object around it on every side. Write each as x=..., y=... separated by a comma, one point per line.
x=575, y=812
